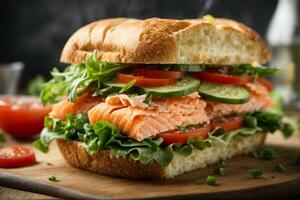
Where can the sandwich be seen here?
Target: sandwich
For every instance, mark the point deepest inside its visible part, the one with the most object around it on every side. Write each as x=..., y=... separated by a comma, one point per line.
x=157, y=98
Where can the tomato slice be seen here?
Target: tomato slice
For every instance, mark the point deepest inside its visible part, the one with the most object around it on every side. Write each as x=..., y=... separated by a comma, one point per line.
x=229, y=124
x=222, y=78
x=158, y=73
x=268, y=84
x=22, y=117
x=16, y=156
x=182, y=137
x=142, y=81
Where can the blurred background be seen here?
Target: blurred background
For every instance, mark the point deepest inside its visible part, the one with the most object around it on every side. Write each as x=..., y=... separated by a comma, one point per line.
x=35, y=31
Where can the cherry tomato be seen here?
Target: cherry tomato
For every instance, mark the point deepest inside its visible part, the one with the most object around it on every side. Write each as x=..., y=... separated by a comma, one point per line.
x=182, y=137
x=266, y=83
x=22, y=117
x=158, y=73
x=229, y=124
x=143, y=81
x=16, y=156
x=222, y=78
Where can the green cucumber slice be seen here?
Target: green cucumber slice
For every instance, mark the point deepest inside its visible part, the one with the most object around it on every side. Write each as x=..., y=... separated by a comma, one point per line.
x=224, y=93
x=182, y=87
x=188, y=68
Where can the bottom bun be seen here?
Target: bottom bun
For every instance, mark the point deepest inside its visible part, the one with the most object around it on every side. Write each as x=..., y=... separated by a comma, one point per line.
x=107, y=163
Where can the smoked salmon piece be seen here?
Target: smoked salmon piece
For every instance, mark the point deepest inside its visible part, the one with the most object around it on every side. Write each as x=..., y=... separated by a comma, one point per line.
x=142, y=122
x=82, y=104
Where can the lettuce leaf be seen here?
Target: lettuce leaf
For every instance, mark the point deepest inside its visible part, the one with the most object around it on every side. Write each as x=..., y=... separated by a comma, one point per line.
x=76, y=79
x=104, y=135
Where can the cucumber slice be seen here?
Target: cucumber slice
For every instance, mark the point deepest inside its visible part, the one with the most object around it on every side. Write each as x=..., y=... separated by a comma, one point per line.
x=224, y=93
x=189, y=68
x=178, y=67
x=182, y=87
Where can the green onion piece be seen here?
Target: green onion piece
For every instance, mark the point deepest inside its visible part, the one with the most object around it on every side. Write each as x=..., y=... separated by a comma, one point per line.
x=255, y=173
x=265, y=153
x=279, y=167
x=53, y=179
x=211, y=180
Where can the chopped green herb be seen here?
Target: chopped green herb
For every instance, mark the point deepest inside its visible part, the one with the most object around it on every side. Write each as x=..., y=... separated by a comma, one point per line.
x=219, y=169
x=265, y=153
x=298, y=123
x=279, y=167
x=211, y=180
x=49, y=164
x=53, y=179
x=255, y=173
x=209, y=19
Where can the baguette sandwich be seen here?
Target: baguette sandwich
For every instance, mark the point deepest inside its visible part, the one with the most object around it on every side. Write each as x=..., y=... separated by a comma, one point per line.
x=158, y=98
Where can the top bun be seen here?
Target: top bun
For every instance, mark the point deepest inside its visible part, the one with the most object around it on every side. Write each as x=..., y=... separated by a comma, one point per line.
x=167, y=41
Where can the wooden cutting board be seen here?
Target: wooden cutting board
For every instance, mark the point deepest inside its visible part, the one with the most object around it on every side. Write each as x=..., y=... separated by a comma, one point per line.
x=237, y=183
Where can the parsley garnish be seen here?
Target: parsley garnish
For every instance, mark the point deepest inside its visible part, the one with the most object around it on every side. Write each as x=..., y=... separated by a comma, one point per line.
x=211, y=180
x=255, y=173
x=265, y=153
x=53, y=179
x=279, y=167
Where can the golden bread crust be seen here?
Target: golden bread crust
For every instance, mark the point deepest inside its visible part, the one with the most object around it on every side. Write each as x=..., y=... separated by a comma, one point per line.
x=167, y=41
x=106, y=163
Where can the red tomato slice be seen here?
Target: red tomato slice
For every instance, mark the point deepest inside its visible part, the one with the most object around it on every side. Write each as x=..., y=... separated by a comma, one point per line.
x=222, y=78
x=229, y=124
x=16, y=156
x=143, y=81
x=22, y=117
x=268, y=84
x=158, y=73
x=182, y=137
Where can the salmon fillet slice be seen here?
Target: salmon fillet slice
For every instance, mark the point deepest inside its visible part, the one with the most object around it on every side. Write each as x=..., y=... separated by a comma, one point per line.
x=82, y=104
x=259, y=99
x=161, y=116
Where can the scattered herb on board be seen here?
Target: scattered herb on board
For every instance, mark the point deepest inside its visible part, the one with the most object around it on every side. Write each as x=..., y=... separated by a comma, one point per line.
x=49, y=164
x=211, y=180
x=265, y=153
x=53, y=179
x=255, y=173
x=298, y=123
x=219, y=169
x=279, y=167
